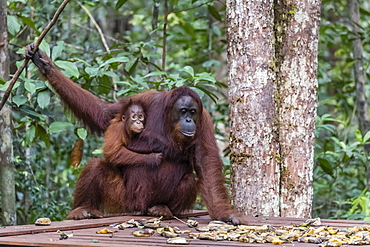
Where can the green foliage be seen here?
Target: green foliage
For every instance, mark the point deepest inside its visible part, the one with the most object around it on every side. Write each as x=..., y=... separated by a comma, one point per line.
x=340, y=169
x=360, y=207
x=44, y=133
x=341, y=164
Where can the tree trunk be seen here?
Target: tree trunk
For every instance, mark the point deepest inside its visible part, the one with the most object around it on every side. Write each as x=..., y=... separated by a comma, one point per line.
x=360, y=78
x=296, y=93
x=254, y=154
x=6, y=143
x=272, y=59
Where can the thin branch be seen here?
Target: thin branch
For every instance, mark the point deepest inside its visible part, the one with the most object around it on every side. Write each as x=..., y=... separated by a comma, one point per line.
x=93, y=31
x=103, y=40
x=155, y=15
x=96, y=26
x=197, y=6
x=164, y=35
x=153, y=37
x=26, y=60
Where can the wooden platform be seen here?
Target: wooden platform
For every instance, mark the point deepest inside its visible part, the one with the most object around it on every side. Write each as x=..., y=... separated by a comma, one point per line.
x=84, y=232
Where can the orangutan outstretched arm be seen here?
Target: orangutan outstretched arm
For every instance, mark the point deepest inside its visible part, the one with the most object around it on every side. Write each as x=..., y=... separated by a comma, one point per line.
x=95, y=113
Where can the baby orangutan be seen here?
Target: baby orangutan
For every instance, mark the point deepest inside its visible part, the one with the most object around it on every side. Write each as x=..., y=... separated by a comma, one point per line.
x=123, y=129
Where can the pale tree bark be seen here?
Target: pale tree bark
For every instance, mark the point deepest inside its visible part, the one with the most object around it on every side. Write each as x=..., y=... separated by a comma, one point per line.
x=359, y=74
x=272, y=62
x=297, y=24
x=6, y=141
x=255, y=177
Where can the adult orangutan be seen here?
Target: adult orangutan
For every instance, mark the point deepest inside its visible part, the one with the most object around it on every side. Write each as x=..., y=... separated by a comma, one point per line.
x=177, y=126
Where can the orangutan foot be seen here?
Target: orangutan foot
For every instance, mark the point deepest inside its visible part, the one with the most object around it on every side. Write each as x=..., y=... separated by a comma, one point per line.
x=84, y=212
x=160, y=210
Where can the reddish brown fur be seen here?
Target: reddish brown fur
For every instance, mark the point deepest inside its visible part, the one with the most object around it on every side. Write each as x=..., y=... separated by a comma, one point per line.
x=77, y=152
x=145, y=188
x=119, y=135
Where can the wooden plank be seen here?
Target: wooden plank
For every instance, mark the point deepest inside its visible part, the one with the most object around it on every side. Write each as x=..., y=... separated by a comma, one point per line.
x=58, y=225
x=76, y=224
x=121, y=238
x=85, y=230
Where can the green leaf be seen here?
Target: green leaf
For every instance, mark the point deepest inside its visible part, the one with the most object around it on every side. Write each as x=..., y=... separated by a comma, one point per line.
x=57, y=127
x=216, y=30
x=155, y=73
x=13, y=25
x=204, y=76
x=366, y=138
x=189, y=29
x=198, y=91
x=69, y=68
x=97, y=151
x=325, y=166
x=210, y=63
x=19, y=100
x=43, y=98
x=111, y=74
x=124, y=83
x=82, y=133
x=154, y=55
x=28, y=21
x=115, y=60
x=58, y=49
x=29, y=135
x=358, y=135
x=189, y=70
x=141, y=82
x=45, y=47
x=31, y=112
x=131, y=65
x=92, y=72
x=174, y=3
x=127, y=91
x=42, y=134
x=105, y=83
x=180, y=83
x=364, y=12
x=30, y=86
x=212, y=10
x=120, y=3
x=213, y=96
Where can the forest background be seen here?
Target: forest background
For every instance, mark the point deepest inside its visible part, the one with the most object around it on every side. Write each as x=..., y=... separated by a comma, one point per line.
x=115, y=49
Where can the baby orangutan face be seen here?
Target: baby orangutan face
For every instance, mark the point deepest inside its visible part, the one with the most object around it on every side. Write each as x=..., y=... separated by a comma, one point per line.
x=136, y=119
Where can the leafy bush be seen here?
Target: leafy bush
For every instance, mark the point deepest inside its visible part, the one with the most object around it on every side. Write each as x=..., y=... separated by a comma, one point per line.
x=340, y=168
